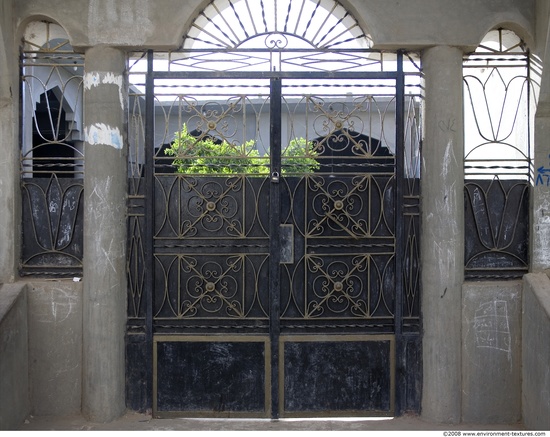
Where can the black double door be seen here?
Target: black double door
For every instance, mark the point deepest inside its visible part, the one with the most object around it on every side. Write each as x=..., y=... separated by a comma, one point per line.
x=279, y=293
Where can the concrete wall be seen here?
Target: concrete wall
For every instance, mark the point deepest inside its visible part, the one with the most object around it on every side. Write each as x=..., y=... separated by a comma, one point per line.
x=40, y=350
x=54, y=323
x=55, y=347
x=9, y=154
x=392, y=23
x=14, y=371
x=491, y=352
x=536, y=351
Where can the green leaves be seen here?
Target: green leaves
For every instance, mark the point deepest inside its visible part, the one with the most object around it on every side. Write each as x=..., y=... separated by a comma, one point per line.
x=299, y=157
x=205, y=155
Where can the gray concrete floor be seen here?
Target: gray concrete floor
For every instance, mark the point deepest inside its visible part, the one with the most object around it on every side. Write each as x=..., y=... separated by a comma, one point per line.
x=132, y=421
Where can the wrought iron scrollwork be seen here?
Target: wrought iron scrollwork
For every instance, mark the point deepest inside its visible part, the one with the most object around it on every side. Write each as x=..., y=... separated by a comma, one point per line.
x=496, y=209
x=499, y=96
x=52, y=158
x=52, y=239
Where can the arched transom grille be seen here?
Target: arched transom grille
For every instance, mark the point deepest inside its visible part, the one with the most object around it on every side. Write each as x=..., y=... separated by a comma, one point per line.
x=231, y=24
x=275, y=35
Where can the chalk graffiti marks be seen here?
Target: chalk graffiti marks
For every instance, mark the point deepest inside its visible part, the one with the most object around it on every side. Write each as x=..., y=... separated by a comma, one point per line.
x=447, y=125
x=491, y=326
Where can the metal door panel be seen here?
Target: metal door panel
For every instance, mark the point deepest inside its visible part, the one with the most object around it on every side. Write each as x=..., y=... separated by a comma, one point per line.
x=279, y=293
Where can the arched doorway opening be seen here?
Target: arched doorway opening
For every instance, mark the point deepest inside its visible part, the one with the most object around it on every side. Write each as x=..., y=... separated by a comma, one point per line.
x=279, y=275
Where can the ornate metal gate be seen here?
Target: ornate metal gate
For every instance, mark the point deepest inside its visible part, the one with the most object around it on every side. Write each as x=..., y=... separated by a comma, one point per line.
x=281, y=273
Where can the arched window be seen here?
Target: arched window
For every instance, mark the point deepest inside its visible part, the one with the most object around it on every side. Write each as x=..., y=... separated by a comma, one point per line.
x=273, y=35
x=52, y=103
x=499, y=100
x=52, y=157
x=323, y=25
x=269, y=35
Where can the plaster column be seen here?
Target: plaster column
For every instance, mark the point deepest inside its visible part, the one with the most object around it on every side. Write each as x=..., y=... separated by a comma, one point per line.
x=10, y=192
x=104, y=288
x=442, y=242
x=540, y=205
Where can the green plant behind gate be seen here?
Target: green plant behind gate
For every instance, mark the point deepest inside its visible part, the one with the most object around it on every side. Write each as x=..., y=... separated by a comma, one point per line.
x=205, y=155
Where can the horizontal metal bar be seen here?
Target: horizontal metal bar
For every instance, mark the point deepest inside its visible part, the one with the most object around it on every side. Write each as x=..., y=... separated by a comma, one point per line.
x=284, y=50
x=273, y=74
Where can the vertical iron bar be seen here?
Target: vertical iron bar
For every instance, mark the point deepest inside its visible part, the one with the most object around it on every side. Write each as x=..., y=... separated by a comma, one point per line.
x=400, y=369
x=274, y=243
x=21, y=113
x=530, y=156
x=22, y=108
x=149, y=219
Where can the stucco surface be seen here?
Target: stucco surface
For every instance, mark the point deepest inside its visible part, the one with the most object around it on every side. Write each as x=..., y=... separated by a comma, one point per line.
x=536, y=351
x=55, y=346
x=453, y=26
x=491, y=357
x=14, y=371
x=391, y=23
